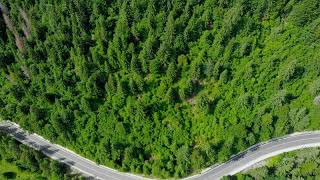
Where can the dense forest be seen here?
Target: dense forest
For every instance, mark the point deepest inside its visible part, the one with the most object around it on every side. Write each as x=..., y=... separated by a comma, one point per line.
x=160, y=87
x=301, y=164
x=18, y=161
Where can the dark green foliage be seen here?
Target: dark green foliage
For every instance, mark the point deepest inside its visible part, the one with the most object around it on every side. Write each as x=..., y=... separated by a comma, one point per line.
x=159, y=87
x=9, y=175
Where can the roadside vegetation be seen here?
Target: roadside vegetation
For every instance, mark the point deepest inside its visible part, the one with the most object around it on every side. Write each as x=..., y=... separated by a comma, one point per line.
x=20, y=162
x=158, y=87
x=300, y=164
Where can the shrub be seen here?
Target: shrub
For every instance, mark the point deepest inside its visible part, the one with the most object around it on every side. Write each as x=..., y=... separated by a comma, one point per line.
x=280, y=99
x=315, y=87
x=290, y=71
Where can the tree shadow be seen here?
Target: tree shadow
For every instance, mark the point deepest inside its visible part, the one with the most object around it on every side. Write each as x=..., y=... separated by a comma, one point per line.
x=242, y=154
x=46, y=149
x=9, y=175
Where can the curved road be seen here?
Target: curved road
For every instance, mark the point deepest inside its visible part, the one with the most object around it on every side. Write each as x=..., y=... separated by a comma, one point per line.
x=236, y=164
x=260, y=152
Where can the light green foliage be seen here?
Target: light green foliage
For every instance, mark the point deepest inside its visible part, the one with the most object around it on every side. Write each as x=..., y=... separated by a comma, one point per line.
x=315, y=88
x=299, y=118
x=159, y=86
x=317, y=100
x=288, y=72
x=172, y=73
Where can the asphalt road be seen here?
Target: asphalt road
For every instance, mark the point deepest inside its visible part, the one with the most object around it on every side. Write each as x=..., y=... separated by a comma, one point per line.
x=236, y=164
